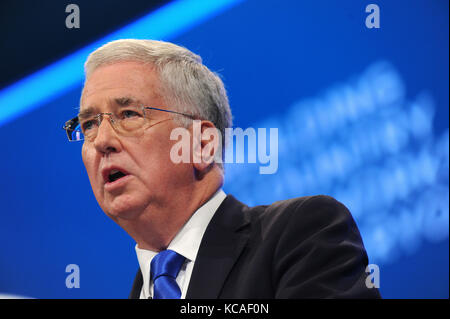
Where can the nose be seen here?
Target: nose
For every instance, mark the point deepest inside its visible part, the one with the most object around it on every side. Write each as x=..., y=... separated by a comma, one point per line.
x=107, y=141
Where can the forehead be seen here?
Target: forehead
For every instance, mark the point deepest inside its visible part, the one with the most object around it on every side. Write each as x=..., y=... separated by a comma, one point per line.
x=121, y=80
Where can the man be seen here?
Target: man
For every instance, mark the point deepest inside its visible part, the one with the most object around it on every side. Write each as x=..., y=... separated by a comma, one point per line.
x=192, y=240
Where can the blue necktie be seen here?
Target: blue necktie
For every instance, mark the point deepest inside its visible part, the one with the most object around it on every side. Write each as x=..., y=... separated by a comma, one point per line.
x=164, y=269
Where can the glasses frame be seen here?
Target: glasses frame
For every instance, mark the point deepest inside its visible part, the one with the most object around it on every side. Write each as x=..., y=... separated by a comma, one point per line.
x=71, y=124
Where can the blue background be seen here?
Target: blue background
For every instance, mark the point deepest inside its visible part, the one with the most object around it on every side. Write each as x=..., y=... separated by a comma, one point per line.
x=380, y=147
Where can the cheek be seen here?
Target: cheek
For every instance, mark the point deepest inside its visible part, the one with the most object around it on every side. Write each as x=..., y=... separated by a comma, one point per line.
x=85, y=157
x=89, y=163
x=153, y=158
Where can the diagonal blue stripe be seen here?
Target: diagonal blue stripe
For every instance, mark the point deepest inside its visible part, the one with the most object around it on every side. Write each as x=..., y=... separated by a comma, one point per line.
x=56, y=79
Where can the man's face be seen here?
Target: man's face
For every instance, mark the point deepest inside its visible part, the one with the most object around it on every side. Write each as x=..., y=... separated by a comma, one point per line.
x=151, y=177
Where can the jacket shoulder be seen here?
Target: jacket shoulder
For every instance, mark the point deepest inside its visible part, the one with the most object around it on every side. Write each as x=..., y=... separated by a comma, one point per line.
x=312, y=210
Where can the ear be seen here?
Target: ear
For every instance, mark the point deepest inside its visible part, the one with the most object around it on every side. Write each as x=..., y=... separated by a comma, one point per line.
x=207, y=145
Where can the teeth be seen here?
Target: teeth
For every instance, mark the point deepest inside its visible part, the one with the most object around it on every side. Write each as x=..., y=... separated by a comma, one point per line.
x=115, y=175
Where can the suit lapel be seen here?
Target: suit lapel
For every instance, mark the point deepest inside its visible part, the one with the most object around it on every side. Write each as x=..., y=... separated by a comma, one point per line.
x=137, y=286
x=221, y=245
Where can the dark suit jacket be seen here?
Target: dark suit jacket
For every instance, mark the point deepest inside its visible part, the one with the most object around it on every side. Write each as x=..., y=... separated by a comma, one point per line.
x=306, y=247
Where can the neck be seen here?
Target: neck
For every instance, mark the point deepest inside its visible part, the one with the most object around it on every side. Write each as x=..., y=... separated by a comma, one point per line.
x=155, y=227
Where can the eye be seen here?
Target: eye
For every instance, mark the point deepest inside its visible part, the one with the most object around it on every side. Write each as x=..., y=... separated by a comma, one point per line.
x=130, y=114
x=87, y=125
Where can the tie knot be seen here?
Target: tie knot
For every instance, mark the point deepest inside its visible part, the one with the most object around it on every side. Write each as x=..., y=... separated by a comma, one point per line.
x=166, y=263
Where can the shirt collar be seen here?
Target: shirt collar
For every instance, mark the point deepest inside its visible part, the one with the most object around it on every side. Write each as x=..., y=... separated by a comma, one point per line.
x=188, y=239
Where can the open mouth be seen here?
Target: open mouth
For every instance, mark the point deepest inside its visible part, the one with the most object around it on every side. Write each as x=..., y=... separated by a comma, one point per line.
x=114, y=175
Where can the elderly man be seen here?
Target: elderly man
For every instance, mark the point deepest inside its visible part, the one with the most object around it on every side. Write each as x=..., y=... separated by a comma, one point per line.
x=193, y=240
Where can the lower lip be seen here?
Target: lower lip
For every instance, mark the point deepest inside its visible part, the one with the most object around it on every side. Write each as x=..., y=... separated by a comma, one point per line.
x=110, y=186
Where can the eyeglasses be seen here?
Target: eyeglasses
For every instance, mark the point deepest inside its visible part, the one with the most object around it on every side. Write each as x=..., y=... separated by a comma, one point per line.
x=130, y=121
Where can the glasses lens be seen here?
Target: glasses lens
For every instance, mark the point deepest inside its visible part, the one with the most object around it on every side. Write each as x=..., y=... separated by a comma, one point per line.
x=73, y=130
x=76, y=134
x=131, y=121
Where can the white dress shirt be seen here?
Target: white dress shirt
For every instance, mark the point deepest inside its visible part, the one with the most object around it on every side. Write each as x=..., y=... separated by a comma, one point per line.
x=186, y=243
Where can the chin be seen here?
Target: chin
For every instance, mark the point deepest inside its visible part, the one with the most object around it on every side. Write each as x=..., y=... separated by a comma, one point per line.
x=122, y=209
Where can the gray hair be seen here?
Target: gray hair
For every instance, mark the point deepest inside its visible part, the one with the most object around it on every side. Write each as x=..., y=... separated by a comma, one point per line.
x=187, y=84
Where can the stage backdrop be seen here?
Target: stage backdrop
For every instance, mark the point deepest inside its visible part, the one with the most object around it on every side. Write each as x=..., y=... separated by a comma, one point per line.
x=358, y=112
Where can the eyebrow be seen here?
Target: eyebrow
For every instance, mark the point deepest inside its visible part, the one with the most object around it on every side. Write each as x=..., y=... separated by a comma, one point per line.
x=120, y=101
x=86, y=113
x=126, y=101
